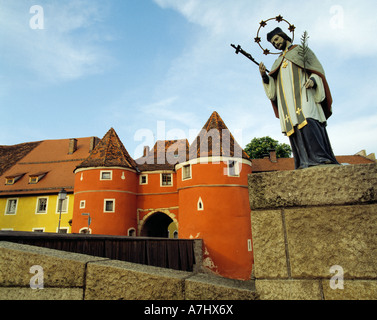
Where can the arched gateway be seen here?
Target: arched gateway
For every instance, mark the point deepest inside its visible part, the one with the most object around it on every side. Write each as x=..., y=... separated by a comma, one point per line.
x=157, y=225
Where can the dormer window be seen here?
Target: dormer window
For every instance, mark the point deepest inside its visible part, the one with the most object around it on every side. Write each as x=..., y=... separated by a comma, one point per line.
x=35, y=178
x=10, y=180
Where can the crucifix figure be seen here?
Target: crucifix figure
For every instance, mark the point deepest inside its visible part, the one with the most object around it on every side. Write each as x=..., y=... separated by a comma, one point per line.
x=301, y=101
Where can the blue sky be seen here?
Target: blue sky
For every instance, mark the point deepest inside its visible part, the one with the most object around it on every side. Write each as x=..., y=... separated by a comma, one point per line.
x=157, y=69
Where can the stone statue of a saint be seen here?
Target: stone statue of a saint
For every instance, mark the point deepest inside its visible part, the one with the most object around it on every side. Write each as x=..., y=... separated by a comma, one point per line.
x=301, y=101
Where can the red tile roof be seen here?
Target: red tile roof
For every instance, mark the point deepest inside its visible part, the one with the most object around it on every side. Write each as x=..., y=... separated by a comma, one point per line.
x=49, y=156
x=9, y=155
x=215, y=139
x=285, y=164
x=265, y=165
x=164, y=155
x=109, y=152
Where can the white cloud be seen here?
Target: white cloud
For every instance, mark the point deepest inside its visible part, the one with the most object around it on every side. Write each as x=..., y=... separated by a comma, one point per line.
x=347, y=27
x=209, y=76
x=354, y=135
x=63, y=50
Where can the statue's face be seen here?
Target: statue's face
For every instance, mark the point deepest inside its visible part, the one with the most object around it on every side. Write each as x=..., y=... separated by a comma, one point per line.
x=278, y=42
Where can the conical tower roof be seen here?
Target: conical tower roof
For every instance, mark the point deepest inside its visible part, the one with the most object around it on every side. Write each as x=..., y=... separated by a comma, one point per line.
x=215, y=139
x=109, y=152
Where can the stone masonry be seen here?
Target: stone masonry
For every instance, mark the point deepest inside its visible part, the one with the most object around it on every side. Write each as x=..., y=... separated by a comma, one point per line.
x=305, y=222
x=72, y=276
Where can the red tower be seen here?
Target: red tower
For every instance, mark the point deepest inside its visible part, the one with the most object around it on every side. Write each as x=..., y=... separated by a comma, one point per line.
x=213, y=200
x=106, y=188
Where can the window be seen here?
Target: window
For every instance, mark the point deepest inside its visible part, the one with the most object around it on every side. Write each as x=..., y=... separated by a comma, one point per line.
x=200, y=204
x=63, y=204
x=166, y=179
x=109, y=205
x=63, y=230
x=106, y=175
x=249, y=245
x=35, y=178
x=82, y=204
x=233, y=168
x=11, y=207
x=9, y=181
x=13, y=179
x=85, y=231
x=42, y=205
x=132, y=232
x=144, y=179
x=186, y=173
x=38, y=229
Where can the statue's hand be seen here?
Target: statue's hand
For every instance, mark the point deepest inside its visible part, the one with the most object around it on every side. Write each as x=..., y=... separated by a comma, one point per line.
x=262, y=69
x=309, y=84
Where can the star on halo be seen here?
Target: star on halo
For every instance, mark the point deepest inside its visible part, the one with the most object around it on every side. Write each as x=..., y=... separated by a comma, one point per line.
x=263, y=23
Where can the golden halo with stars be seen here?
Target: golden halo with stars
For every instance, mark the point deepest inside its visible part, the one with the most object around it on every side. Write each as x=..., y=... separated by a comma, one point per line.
x=263, y=24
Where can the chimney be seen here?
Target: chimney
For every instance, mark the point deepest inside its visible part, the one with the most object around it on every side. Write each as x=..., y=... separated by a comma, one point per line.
x=72, y=146
x=146, y=151
x=273, y=157
x=93, y=142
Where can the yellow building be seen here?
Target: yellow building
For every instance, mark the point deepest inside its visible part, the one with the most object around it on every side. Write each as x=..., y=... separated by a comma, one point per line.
x=32, y=175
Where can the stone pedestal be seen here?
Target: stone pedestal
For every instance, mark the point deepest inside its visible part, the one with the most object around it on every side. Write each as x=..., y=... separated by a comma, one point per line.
x=315, y=230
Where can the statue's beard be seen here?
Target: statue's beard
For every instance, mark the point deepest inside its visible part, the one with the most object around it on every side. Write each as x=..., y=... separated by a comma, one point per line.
x=283, y=46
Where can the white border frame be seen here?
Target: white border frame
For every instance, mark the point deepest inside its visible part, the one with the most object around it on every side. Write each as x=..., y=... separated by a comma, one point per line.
x=80, y=206
x=183, y=168
x=106, y=171
x=200, y=201
x=6, y=207
x=104, y=206
x=171, y=180
x=37, y=205
x=57, y=205
x=140, y=179
x=236, y=169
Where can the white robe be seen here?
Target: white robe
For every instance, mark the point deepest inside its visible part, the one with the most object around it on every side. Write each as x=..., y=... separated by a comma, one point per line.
x=311, y=107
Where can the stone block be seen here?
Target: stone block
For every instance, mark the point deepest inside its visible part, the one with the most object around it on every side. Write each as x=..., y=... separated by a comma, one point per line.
x=45, y=294
x=321, y=237
x=270, y=259
x=120, y=280
x=60, y=269
x=288, y=289
x=353, y=290
x=207, y=287
x=320, y=186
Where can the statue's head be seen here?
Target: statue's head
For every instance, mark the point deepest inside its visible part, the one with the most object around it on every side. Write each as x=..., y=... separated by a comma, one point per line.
x=279, y=39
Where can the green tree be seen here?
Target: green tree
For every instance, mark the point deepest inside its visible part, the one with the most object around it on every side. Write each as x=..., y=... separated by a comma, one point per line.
x=259, y=147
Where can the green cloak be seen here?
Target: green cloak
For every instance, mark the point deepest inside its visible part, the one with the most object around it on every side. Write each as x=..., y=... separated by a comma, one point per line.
x=313, y=66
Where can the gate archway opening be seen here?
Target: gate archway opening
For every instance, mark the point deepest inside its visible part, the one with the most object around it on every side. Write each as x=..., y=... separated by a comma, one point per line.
x=157, y=225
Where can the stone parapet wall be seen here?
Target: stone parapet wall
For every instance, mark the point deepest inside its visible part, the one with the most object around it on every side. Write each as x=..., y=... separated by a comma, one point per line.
x=71, y=276
x=307, y=222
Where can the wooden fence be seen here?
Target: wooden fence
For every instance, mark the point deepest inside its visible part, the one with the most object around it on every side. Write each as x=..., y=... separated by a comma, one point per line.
x=177, y=254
